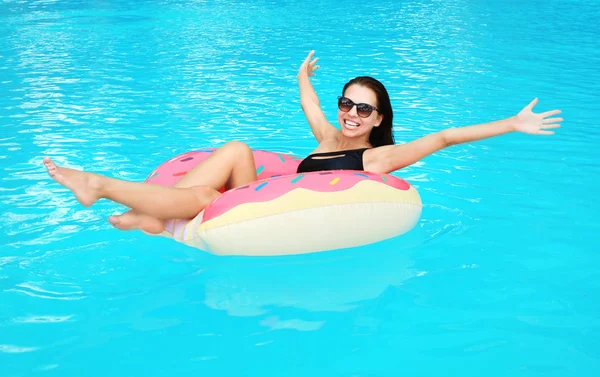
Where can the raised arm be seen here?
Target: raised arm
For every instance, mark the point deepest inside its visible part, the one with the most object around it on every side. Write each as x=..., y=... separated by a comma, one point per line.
x=309, y=101
x=394, y=157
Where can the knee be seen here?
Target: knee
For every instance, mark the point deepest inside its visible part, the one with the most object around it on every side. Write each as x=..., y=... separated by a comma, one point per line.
x=204, y=195
x=238, y=148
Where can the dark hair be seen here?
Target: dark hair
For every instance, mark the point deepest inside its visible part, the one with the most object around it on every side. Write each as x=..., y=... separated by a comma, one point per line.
x=381, y=135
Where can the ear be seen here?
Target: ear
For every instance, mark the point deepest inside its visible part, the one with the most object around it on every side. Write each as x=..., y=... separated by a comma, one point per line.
x=379, y=120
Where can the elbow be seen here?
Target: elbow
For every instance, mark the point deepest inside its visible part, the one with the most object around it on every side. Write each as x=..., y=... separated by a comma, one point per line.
x=446, y=138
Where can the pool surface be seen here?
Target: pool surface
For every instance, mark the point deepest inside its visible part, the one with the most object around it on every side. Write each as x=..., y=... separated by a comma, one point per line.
x=499, y=278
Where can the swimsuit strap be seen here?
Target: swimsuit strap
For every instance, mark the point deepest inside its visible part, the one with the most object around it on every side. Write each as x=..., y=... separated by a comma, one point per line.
x=338, y=152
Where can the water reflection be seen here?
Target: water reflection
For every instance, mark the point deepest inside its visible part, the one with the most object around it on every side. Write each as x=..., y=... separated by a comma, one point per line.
x=334, y=282
x=118, y=87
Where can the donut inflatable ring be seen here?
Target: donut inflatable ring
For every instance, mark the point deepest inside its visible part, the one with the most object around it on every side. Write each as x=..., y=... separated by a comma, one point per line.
x=285, y=213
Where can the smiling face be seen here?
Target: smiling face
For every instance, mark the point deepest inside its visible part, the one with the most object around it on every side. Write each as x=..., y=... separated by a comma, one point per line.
x=352, y=125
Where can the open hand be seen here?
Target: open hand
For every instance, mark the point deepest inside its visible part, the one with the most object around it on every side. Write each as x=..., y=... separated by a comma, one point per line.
x=308, y=67
x=538, y=124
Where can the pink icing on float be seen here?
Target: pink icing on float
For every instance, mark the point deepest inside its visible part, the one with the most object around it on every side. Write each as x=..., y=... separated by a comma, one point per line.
x=267, y=165
x=273, y=188
x=288, y=213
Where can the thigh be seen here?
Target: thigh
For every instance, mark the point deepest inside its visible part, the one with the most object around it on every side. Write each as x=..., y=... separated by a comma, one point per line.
x=230, y=166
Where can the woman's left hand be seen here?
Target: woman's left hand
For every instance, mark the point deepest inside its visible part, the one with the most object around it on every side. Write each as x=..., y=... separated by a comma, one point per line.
x=537, y=124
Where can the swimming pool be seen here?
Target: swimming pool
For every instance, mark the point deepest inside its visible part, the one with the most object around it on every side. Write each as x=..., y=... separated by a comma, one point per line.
x=498, y=278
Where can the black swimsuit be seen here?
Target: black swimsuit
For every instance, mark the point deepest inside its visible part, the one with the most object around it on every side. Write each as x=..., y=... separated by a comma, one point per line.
x=341, y=160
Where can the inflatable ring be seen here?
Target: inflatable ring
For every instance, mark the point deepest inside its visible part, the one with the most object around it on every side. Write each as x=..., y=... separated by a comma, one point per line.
x=285, y=213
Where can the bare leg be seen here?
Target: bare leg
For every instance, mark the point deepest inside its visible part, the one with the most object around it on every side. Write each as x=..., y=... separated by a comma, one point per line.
x=231, y=165
x=243, y=171
x=134, y=220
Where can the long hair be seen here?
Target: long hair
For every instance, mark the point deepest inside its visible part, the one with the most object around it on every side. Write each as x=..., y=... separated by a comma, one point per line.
x=383, y=134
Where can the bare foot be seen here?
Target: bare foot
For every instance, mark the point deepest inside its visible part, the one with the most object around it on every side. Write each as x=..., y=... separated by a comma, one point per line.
x=85, y=186
x=133, y=220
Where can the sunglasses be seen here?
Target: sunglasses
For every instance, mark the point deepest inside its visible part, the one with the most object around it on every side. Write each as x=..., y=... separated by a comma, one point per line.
x=362, y=109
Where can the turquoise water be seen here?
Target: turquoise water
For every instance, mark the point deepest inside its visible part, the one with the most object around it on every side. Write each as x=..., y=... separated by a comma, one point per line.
x=499, y=278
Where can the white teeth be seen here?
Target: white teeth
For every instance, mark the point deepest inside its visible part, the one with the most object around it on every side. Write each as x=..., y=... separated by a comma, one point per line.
x=351, y=124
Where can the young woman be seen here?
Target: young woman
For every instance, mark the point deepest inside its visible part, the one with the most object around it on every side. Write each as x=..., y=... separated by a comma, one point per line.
x=364, y=141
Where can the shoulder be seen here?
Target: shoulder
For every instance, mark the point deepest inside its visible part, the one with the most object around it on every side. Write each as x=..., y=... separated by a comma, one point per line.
x=328, y=144
x=389, y=158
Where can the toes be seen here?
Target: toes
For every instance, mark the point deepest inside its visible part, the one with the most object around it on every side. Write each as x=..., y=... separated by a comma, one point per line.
x=114, y=220
x=50, y=165
x=48, y=162
x=130, y=221
x=124, y=221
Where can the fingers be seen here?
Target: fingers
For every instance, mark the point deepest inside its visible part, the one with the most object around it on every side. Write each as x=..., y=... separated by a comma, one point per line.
x=546, y=127
x=553, y=120
x=312, y=66
x=309, y=63
x=545, y=132
x=532, y=104
x=550, y=113
x=546, y=113
x=309, y=57
x=307, y=67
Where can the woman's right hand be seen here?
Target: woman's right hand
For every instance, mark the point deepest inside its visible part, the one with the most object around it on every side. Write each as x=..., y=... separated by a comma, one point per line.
x=308, y=67
x=309, y=101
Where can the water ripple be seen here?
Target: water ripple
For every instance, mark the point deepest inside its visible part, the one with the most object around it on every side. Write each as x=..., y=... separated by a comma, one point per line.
x=43, y=319
x=499, y=266
x=10, y=348
x=42, y=290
